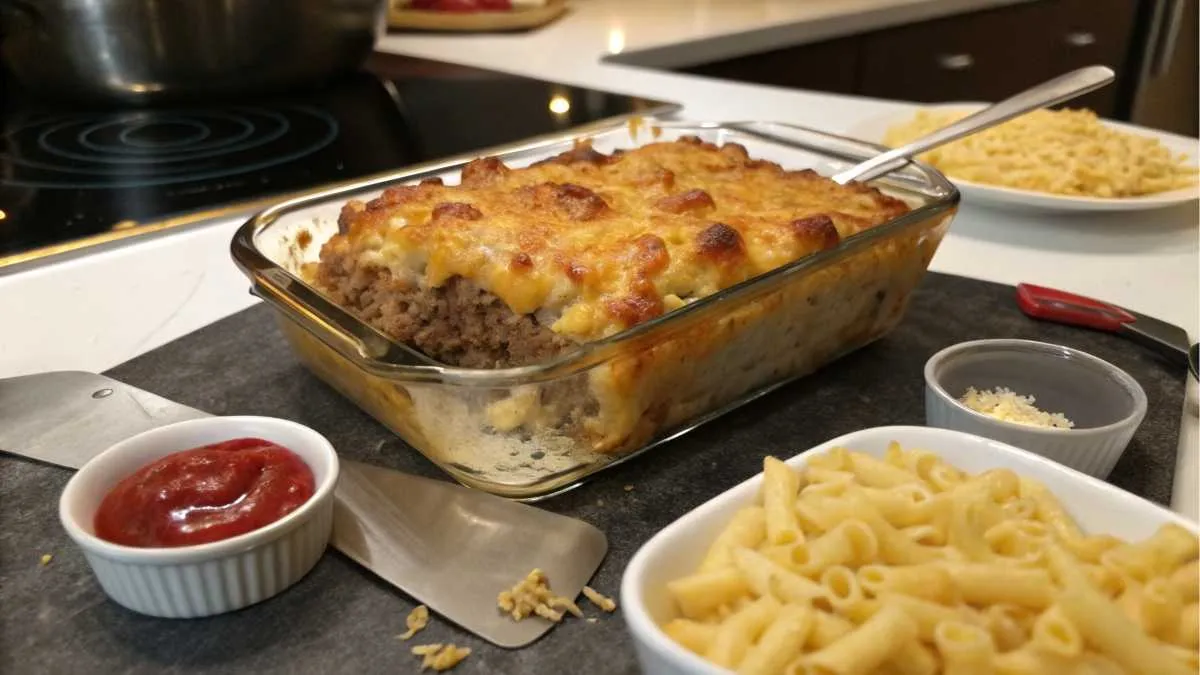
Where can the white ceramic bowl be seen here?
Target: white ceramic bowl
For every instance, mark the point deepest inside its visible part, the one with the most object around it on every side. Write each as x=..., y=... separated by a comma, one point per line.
x=1106, y=404
x=676, y=551
x=212, y=578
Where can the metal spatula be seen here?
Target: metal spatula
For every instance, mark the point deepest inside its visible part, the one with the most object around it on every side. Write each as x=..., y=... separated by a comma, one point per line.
x=448, y=547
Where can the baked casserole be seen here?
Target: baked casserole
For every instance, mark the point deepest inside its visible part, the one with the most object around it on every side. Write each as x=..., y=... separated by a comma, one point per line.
x=514, y=266
x=632, y=283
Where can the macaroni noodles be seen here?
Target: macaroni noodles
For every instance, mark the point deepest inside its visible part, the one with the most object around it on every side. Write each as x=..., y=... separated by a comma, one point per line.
x=1068, y=152
x=856, y=565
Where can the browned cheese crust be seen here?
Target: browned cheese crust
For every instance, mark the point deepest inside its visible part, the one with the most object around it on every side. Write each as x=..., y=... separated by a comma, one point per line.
x=514, y=265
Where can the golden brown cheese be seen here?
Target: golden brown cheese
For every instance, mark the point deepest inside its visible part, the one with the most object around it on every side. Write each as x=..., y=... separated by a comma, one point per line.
x=592, y=243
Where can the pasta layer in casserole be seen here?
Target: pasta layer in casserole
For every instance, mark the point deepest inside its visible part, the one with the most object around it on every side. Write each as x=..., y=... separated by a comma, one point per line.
x=514, y=265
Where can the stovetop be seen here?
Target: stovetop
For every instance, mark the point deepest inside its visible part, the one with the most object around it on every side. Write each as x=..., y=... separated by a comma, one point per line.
x=70, y=178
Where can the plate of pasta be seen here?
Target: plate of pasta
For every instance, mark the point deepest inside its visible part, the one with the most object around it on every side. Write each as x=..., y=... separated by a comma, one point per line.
x=918, y=550
x=1051, y=160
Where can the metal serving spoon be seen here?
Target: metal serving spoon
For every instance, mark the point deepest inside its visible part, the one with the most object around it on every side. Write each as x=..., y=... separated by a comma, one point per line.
x=1062, y=88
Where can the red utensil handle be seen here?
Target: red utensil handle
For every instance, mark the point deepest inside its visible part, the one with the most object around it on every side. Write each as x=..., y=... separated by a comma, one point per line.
x=1049, y=304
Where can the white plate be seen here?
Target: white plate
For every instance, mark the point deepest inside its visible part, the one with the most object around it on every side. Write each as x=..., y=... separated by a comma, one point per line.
x=874, y=128
x=676, y=551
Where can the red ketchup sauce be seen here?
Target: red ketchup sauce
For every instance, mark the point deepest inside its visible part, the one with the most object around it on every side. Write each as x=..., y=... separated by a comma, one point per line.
x=205, y=494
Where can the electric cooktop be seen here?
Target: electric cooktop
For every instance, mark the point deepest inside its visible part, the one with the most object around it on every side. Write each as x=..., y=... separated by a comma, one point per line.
x=72, y=178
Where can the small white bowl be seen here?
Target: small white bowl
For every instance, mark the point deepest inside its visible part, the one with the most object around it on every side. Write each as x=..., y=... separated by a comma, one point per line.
x=1106, y=404
x=212, y=578
x=677, y=550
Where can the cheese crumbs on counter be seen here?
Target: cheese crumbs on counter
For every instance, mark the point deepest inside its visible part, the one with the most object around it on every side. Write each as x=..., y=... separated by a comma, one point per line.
x=46, y=558
x=1005, y=405
x=532, y=595
x=603, y=602
x=417, y=620
x=440, y=657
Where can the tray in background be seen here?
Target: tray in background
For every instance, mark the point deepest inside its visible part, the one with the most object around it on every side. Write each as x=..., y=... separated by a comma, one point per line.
x=402, y=18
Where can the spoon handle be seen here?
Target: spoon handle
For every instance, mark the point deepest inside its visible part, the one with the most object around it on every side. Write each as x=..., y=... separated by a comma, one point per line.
x=1051, y=92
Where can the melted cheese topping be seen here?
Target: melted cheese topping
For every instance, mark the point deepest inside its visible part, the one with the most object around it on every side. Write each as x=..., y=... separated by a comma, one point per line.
x=592, y=244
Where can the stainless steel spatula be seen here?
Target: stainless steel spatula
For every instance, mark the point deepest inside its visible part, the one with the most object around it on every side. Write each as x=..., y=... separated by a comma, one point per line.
x=449, y=547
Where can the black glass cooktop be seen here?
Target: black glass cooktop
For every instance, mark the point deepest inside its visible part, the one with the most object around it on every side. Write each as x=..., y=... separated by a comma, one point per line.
x=69, y=176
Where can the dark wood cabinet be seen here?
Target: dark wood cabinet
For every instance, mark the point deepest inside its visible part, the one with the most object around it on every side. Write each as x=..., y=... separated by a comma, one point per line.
x=979, y=56
x=971, y=57
x=824, y=66
x=1094, y=31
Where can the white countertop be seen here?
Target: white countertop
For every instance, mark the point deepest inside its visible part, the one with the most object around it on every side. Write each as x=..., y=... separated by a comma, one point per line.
x=94, y=312
x=674, y=33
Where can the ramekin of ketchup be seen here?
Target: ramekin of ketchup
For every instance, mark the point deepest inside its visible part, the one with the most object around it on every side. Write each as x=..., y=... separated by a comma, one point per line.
x=205, y=494
x=205, y=516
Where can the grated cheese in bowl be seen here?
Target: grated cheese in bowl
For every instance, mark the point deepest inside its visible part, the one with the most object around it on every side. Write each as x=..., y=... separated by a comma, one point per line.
x=1005, y=405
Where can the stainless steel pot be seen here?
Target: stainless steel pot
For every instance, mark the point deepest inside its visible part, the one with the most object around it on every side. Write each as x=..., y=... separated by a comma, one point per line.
x=139, y=51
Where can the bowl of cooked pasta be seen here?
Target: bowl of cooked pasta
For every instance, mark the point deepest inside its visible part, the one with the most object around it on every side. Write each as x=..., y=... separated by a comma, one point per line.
x=1050, y=160
x=918, y=550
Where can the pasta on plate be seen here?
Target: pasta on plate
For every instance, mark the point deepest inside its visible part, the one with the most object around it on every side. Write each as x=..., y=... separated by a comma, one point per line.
x=1065, y=152
x=905, y=565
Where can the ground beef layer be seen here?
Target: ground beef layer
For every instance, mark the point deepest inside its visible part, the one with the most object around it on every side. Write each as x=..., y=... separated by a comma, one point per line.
x=457, y=323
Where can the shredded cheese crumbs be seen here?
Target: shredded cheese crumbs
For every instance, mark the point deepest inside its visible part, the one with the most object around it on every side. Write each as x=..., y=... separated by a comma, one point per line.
x=439, y=656
x=532, y=595
x=1002, y=404
x=46, y=558
x=416, y=620
x=602, y=601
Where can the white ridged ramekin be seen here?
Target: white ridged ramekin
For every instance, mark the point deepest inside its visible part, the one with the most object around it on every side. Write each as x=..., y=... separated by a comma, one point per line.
x=206, y=579
x=1106, y=403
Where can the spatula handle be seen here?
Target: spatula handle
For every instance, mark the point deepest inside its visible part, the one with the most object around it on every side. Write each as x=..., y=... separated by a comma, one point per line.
x=1049, y=304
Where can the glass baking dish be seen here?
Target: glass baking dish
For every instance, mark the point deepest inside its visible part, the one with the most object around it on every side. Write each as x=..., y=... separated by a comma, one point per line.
x=528, y=432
